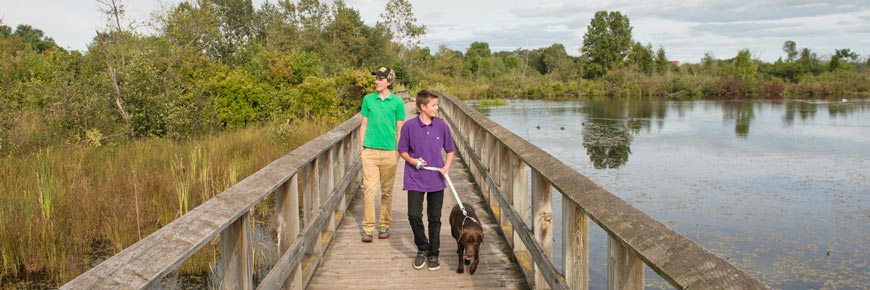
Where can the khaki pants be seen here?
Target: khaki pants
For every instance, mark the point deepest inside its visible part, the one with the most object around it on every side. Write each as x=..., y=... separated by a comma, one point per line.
x=379, y=166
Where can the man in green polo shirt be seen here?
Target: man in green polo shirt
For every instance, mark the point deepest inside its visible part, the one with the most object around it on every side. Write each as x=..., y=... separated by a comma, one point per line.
x=383, y=114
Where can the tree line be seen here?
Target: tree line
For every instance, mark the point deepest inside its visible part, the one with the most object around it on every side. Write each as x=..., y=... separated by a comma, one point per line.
x=218, y=64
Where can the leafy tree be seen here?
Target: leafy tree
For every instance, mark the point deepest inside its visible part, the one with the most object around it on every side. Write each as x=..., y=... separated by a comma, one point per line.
x=399, y=20
x=113, y=45
x=556, y=61
x=535, y=59
x=448, y=62
x=5, y=31
x=834, y=63
x=236, y=22
x=476, y=57
x=790, y=49
x=846, y=54
x=376, y=52
x=606, y=42
x=709, y=62
x=662, y=62
x=190, y=28
x=742, y=66
x=346, y=36
x=35, y=37
x=274, y=27
x=313, y=16
x=641, y=58
x=808, y=62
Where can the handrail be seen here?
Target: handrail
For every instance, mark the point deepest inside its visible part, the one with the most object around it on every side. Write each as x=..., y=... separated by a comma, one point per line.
x=499, y=161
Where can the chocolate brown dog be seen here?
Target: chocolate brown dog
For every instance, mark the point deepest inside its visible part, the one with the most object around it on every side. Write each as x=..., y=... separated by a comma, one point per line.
x=468, y=232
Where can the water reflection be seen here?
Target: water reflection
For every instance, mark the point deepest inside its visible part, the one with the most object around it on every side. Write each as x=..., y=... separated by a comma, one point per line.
x=741, y=113
x=609, y=125
x=803, y=109
x=806, y=110
x=607, y=143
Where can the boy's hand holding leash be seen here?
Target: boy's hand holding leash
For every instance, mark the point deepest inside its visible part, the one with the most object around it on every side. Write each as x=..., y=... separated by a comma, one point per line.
x=420, y=163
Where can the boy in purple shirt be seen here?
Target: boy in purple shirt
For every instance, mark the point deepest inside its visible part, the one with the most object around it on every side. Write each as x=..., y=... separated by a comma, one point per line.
x=420, y=144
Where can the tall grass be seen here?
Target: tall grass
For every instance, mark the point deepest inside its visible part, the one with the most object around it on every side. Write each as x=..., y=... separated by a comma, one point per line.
x=64, y=209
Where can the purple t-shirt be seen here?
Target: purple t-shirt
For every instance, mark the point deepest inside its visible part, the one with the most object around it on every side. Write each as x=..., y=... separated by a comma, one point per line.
x=425, y=141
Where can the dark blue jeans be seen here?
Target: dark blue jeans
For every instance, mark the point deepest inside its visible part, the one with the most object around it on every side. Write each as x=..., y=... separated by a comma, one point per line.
x=434, y=201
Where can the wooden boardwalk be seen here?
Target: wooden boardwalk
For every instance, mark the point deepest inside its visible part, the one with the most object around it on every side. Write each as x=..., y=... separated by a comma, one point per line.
x=386, y=264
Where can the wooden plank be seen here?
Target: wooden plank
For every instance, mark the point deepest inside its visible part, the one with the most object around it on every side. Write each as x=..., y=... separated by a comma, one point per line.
x=575, y=246
x=542, y=213
x=521, y=203
x=237, y=257
x=287, y=214
x=624, y=268
x=349, y=263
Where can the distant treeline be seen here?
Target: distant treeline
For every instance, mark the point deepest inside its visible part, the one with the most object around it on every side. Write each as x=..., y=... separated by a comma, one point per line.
x=220, y=64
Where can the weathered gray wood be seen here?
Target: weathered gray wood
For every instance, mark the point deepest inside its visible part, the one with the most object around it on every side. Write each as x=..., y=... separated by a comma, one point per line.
x=386, y=264
x=310, y=237
x=554, y=279
x=681, y=262
x=287, y=214
x=237, y=257
x=521, y=203
x=542, y=213
x=575, y=246
x=624, y=268
x=505, y=186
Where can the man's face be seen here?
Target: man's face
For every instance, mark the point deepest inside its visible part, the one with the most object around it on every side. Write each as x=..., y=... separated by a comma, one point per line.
x=381, y=83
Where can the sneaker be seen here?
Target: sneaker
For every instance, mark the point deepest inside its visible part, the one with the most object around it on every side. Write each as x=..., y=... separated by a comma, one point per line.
x=366, y=238
x=384, y=234
x=433, y=263
x=420, y=260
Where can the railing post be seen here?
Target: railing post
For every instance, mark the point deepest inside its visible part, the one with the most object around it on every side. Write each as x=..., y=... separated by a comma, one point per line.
x=492, y=157
x=237, y=259
x=521, y=200
x=287, y=202
x=326, y=182
x=542, y=213
x=575, y=245
x=624, y=268
x=311, y=204
x=506, y=186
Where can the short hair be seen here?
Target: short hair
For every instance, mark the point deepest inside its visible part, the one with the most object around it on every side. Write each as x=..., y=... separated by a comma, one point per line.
x=423, y=98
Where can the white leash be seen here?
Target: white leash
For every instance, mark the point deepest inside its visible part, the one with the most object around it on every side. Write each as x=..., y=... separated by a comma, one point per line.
x=455, y=195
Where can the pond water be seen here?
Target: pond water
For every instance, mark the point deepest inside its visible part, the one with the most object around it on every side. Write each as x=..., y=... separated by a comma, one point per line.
x=781, y=189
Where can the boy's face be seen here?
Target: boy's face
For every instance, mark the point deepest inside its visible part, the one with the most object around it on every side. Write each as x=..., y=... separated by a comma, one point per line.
x=381, y=84
x=430, y=109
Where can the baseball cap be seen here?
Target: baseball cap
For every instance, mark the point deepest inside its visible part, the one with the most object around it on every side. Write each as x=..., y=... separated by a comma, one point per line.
x=384, y=72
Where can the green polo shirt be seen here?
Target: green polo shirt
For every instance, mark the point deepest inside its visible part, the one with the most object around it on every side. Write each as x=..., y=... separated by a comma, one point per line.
x=383, y=115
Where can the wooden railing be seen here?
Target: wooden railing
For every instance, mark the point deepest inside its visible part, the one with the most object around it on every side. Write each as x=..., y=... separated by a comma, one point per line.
x=320, y=175
x=516, y=178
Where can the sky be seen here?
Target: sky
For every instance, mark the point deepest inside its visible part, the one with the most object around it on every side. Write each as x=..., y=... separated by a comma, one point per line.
x=686, y=29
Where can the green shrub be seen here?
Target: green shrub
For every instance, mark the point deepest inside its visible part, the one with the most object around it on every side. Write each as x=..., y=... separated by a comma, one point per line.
x=238, y=99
